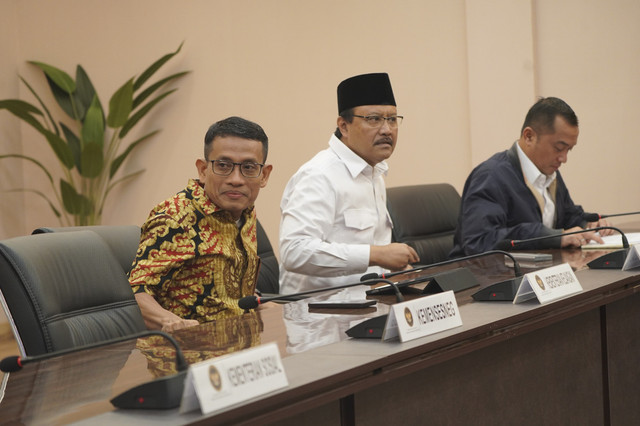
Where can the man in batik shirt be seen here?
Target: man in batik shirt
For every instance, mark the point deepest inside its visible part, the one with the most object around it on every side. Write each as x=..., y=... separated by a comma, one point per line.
x=197, y=253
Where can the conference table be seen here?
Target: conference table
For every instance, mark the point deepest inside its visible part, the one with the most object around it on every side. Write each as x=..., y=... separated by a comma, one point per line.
x=571, y=361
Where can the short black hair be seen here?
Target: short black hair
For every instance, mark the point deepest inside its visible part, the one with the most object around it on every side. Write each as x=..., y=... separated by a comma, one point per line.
x=239, y=127
x=543, y=113
x=347, y=114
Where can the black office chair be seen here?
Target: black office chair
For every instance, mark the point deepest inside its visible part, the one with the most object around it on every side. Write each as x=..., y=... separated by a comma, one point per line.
x=63, y=290
x=269, y=275
x=123, y=240
x=425, y=217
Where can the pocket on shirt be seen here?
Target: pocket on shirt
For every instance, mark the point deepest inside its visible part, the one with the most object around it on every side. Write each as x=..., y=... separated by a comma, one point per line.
x=359, y=219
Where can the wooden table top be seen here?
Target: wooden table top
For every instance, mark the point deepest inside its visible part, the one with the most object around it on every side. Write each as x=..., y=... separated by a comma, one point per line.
x=79, y=385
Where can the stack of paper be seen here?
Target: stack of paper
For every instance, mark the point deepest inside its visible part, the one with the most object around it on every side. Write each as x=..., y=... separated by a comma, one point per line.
x=614, y=241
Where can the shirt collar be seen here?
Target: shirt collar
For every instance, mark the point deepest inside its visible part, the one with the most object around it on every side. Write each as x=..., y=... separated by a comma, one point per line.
x=355, y=164
x=531, y=172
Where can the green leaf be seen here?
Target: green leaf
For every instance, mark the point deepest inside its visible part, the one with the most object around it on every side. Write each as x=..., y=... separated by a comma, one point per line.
x=33, y=160
x=93, y=126
x=149, y=90
x=24, y=111
x=63, y=99
x=53, y=208
x=84, y=93
x=20, y=106
x=60, y=78
x=133, y=120
x=44, y=107
x=74, y=144
x=146, y=74
x=115, y=165
x=91, y=160
x=120, y=105
x=74, y=203
x=61, y=149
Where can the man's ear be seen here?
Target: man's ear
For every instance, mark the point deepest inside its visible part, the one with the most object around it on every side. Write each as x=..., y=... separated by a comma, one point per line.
x=343, y=126
x=264, y=178
x=201, y=165
x=529, y=135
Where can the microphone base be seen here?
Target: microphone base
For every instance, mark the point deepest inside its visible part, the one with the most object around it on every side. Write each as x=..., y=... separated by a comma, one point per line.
x=162, y=393
x=613, y=260
x=454, y=279
x=385, y=290
x=368, y=329
x=502, y=291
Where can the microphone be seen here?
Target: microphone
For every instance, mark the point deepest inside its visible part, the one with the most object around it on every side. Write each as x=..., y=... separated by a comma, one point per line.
x=373, y=328
x=594, y=217
x=162, y=393
x=613, y=260
x=503, y=290
x=516, y=265
x=253, y=301
x=15, y=363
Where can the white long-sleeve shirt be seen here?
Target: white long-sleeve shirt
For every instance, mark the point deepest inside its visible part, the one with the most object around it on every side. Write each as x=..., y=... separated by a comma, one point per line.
x=333, y=209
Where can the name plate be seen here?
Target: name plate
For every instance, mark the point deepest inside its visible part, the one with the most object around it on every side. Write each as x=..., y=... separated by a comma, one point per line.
x=422, y=317
x=230, y=379
x=633, y=258
x=548, y=284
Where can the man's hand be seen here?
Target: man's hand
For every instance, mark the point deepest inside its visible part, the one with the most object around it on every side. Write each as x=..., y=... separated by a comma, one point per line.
x=601, y=222
x=394, y=256
x=578, y=240
x=158, y=318
x=178, y=323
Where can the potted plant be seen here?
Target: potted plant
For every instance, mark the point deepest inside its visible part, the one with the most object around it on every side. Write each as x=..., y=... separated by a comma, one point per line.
x=90, y=148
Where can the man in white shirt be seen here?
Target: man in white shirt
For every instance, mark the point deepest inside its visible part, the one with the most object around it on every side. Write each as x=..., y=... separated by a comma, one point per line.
x=519, y=193
x=335, y=226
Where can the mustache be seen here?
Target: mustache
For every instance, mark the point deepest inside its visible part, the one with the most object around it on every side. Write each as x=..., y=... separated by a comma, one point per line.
x=384, y=140
x=235, y=190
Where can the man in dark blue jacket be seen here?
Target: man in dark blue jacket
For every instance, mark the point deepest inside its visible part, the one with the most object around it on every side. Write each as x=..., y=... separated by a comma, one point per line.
x=519, y=193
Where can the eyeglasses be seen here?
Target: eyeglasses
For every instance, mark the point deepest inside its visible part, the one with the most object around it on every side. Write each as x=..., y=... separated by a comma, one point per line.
x=248, y=169
x=377, y=121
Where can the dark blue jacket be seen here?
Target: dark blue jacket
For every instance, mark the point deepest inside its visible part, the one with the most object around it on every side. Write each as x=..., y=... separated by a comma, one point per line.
x=497, y=205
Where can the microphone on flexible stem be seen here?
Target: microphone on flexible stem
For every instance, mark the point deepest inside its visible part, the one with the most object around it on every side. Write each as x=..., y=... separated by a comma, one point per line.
x=613, y=260
x=594, y=217
x=503, y=290
x=162, y=393
x=373, y=328
x=516, y=265
x=253, y=301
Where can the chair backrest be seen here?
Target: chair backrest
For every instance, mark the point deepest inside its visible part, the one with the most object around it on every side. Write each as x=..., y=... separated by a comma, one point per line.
x=425, y=217
x=63, y=290
x=123, y=240
x=269, y=275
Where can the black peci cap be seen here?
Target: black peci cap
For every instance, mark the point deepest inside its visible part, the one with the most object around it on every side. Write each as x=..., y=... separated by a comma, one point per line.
x=365, y=89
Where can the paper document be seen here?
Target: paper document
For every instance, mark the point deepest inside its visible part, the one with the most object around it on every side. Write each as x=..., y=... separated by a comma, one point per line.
x=614, y=241
x=530, y=260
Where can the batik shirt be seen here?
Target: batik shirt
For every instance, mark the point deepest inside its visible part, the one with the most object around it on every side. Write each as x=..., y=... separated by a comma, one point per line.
x=193, y=259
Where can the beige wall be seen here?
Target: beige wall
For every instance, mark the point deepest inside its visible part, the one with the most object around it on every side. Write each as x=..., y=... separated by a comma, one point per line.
x=11, y=205
x=589, y=53
x=464, y=74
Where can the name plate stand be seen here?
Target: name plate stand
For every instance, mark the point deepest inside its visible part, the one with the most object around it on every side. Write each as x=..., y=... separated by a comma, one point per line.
x=548, y=284
x=422, y=317
x=230, y=379
x=633, y=258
